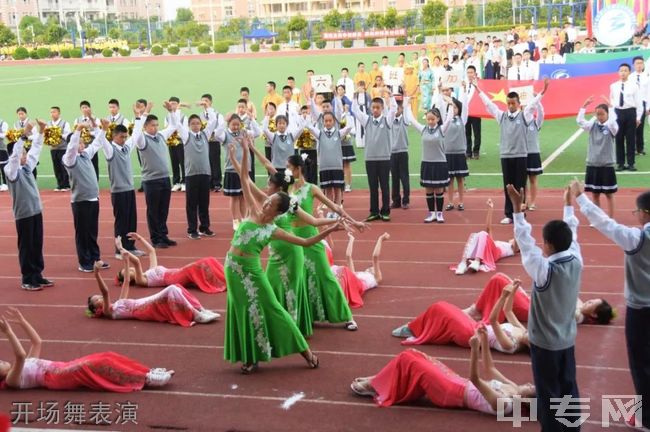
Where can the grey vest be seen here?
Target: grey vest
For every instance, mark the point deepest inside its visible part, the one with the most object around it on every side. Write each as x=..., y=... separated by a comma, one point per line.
x=513, y=136
x=433, y=145
x=321, y=126
x=601, y=151
x=281, y=150
x=83, y=180
x=63, y=144
x=24, y=193
x=330, y=155
x=120, y=172
x=455, y=141
x=532, y=137
x=551, y=319
x=239, y=151
x=197, y=160
x=637, y=273
x=378, y=140
x=399, y=135
x=3, y=145
x=154, y=158
x=119, y=120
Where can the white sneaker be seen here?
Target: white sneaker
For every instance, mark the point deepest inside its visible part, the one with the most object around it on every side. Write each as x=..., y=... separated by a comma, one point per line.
x=430, y=218
x=57, y=190
x=440, y=218
x=118, y=256
x=506, y=221
x=475, y=265
x=183, y=187
x=158, y=377
x=4, y=188
x=461, y=268
x=348, y=188
x=205, y=316
x=176, y=187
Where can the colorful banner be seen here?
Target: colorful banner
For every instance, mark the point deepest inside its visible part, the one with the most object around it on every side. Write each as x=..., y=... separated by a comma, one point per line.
x=562, y=99
x=639, y=7
x=372, y=34
x=562, y=71
x=601, y=57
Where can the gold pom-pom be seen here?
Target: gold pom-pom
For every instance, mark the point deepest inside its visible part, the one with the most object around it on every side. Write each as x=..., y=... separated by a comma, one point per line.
x=174, y=140
x=109, y=132
x=203, y=124
x=86, y=136
x=52, y=136
x=272, y=126
x=131, y=126
x=306, y=140
x=342, y=123
x=13, y=135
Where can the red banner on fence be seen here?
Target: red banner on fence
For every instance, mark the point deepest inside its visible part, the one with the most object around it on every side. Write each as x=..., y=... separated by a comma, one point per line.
x=372, y=34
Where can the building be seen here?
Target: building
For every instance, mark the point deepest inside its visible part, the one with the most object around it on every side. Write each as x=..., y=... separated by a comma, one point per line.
x=12, y=11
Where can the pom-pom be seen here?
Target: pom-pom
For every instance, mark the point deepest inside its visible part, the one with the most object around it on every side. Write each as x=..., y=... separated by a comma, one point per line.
x=304, y=156
x=131, y=126
x=86, y=136
x=174, y=139
x=109, y=132
x=306, y=141
x=52, y=136
x=272, y=126
x=13, y=135
x=204, y=124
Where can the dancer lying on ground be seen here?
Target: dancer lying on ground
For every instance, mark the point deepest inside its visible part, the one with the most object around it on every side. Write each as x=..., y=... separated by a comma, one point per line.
x=104, y=371
x=482, y=252
x=174, y=304
x=413, y=374
x=205, y=273
x=444, y=323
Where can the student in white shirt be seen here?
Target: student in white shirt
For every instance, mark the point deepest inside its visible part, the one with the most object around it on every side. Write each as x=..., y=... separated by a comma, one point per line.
x=57, y=151
x=554, y=57
x=640, y=77
x=289, y=106
x=517, y=72
x=528, y=63
x=87, y=117
x=347, y=82
x=625, y=96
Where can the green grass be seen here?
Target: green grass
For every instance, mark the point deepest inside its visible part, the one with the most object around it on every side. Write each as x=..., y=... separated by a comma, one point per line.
x=38, y=87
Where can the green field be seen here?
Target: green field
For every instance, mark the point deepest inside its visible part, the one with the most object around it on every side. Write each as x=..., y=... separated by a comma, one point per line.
x=37, y=87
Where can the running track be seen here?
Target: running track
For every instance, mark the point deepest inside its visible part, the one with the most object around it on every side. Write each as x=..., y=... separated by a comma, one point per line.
x=208, y=394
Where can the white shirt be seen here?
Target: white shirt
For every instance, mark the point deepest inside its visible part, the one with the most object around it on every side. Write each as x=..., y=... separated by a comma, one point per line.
x=532, y=67
x=555, y=59
x=349, y=87
x=287, y=108
x=129, y=145
x=631, y=96
x=519, y=73
x=642, y=82
x=571, y=34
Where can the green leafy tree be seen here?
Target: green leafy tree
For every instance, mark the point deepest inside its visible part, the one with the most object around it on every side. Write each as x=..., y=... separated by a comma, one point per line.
x=28, y=22
x=115, y=33
x=470, y=14
x=348, y=15
x=184, y=15
x=433, y=13
x=499, y=11
x=7, y=37
x=193, y=31
x=389, y=20
x=373, y=20
x=91, y=32
x=54, y=33
x=297, y=23
x=408, y=19
x=332, y=19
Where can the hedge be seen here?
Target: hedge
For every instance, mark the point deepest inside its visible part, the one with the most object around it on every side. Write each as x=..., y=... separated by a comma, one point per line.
x=43, y=53
x=370, y=42
x=173, y=49
x=275, y=47
x=305, y=44
x=107, y=52
x=125, y=52
x=21, y=53
x=204, y=49
x=221, y=46
x=33, y=54
x=75, y=53
x=255, y=47
x=320, y=44
x=347, y=43
x=156, y=50
x=65, y=53
x=419, y=39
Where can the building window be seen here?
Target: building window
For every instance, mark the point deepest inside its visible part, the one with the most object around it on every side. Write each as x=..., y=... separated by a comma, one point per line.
x=228, y=11
x=391, y=4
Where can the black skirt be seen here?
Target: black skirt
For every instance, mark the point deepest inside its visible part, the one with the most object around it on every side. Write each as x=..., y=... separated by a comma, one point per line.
x=600, y=180
x=332, y=179
x=232, y=183
x=534, y=164
x=457, y=165
x=348, y=153
x=434, y=174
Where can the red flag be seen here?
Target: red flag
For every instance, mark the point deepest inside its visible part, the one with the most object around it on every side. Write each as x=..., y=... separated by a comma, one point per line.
x=589, y=19
x=563, y=98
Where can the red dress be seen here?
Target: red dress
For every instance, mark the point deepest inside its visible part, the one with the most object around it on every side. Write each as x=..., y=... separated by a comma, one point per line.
x=490, y=296
x=106, y=371
x=352, y=286
x=482, y=246
x=411, y=375
x=207, y=274
x=440, y=324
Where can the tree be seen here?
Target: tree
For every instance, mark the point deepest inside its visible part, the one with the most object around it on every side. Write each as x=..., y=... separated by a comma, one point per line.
x=193, y=31
x=7, y=37
x=54, y=33
x=332, y=19
x=389, y=20
x=91, y=32
x=433, y=13
x=31, y=27
x=499, y=11
x=409, y=18
x=470, y=14
x=373, y=20
x=115, y=33
x=184, y=15
x=297, y=23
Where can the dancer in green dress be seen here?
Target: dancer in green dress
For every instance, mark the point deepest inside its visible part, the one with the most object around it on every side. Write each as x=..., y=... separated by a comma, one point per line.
x=257, y=326
x=326, y=298
x=285, y=267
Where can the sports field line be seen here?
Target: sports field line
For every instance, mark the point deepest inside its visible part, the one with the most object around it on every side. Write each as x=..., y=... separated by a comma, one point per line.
x=558, y=151
x=44, y=78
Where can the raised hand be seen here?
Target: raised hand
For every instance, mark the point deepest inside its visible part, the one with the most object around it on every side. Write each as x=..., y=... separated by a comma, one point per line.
x=14, y=316
x=489, y=203
x=5, y=327
x=149, y=107
x=41, y=125
x=97, y=267
x=474, y=342
x=516, y=197
x=133, y=236
x=547, y=81
x=588, y=102
x=28, y=129
x=577, y=188
x=567, y=195
x=168, y=106
x=118, y=243
x=105, y=123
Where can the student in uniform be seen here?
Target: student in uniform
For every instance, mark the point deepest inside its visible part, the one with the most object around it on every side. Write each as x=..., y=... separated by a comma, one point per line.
x=244, y=93
x=140, y=107
x=27, y=208
x=20, y=123
x=363, y=100
x=455, y=148
x=271, y=112
x=87, y=117
x=533, y=158
x=271, y=96
x=640, y=77
x=114, y=115
x=512, y=144
x=283, y=139
x=120, y=174
x=84, y=195
x=600, y=177
x=377, y=152
x=58, y=150
x=399, y=160
x=246, y=117
x=4, y=155
x=214, y=145
x=628, y=100
x=288, y=105
x=176, y=152
x=306, y=144
x=473, y=125
x=556, y=270
x=434, y=174
x=152, y=146
x=636, y=244
x=197, y=170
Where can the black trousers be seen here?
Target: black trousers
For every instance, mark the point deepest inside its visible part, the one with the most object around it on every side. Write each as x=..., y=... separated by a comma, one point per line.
x=4, y=157
x=378, y=178
x=399, y=172
x=311, y=170
x=125, y=213
x=157, y=194
x=177, y=157
x=514, y=173
x=473, y=125
x=197, y=199
x=86, y=224
x=61, y=174
x=95, y=161
x=638, y=354
x=625, y=138
x=30, y=248
x=215, y=164
x=639, y=141
x=554, y=373
x=252, y=162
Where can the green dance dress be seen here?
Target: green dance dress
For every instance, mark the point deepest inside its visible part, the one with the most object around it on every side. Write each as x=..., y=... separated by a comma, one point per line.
x=257, y=326
x=325, y=295
x=285, y=270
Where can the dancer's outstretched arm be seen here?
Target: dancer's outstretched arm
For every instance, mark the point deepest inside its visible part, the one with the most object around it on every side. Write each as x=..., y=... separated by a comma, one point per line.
x=491, y=371
x=376, y=253
x=13, y=377
x=104, y=289
x=507, y=308
x=502, y=338
x=15, y=316
x=482, y=386
x=259, y=195
x=151, y=251
x=126, y=283
x=348, y=252
x=488, y=218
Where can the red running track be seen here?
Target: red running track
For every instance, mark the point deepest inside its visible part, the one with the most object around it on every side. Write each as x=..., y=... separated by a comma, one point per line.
x=208, y=394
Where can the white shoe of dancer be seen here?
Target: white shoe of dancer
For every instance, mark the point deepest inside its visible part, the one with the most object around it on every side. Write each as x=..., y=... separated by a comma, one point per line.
x=475, y=265
x=205, y=316
x=461, y=268
x=158, y=377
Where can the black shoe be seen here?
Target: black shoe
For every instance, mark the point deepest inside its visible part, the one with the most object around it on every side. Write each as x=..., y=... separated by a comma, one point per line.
x=193, y=236
x=169, y=242
x=217, y=189
x=475, y=156
x=395, y=205
x=632, y=168
x=31, y=287
x=620, y=168
x=385, y=218
x=46, y=283
x=372, y=217
x=405, y=206
x=160, y=245
x=140, y=189
x=640, y=153
x=206, y=233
